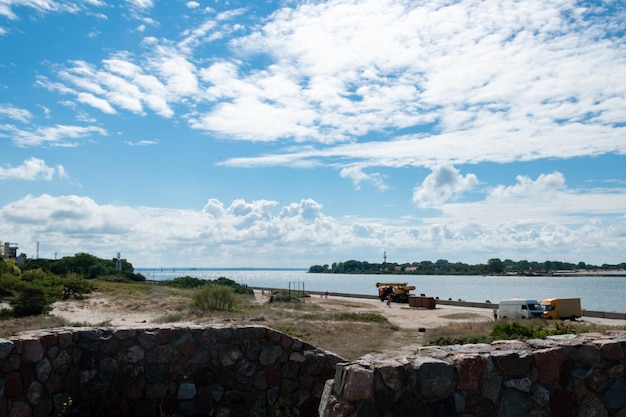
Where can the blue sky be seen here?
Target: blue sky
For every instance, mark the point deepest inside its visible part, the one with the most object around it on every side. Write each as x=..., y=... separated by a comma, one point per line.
x=288, y=134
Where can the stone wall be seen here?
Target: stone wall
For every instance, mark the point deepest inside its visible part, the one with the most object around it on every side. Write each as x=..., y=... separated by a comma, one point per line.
x=579, y=376
x=257, y=371
x=225, y=371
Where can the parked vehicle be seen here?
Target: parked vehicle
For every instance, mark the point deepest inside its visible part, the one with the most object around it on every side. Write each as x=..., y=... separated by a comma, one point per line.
x=561, y=308
x=518, y=308
x=399, y=291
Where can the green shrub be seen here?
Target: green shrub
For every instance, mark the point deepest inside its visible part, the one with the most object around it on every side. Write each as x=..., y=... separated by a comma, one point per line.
x=214, y=297
x=238, y=288
x=29, y=300
x=193, y=282
x=514, y=330
x=76, y=286
x=284, y=296
x=33, y=275
x=560, y=327
x=461, y=340
x=184, y=282
x=511, y=330
x=134, y=277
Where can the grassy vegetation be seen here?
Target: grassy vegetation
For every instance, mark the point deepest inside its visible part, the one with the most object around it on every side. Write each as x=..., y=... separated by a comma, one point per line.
x=464, y=333
x=345, y=328
x=212, y=297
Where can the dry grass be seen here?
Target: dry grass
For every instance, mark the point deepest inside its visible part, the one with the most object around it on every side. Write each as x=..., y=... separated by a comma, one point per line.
x=9, y=327
x=459, y=330
x=342, y=327
x=347, y=335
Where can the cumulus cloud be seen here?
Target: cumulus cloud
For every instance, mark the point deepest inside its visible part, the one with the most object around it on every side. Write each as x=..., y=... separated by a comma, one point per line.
x=544, y=200
x=32, y=169
x=357, y=175
x=261, y=233
x=444, y=183
x=525, y=187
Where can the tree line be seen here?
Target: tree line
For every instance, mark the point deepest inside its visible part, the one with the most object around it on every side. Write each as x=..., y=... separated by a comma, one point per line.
x=444, y=267
x=31, y=288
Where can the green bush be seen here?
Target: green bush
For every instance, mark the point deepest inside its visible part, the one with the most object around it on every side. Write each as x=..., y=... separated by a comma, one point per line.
x=184, y=282
x=284, y=296
x=461, y=340
x=34, y=290
x=214, y=297
x=75, y=286
x=514, y=330
x=238, y=288
x=193, y=282
x=511, y=330
x=29, y=301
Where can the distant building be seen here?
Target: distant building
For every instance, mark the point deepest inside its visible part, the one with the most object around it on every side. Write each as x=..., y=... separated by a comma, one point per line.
x=10, y=250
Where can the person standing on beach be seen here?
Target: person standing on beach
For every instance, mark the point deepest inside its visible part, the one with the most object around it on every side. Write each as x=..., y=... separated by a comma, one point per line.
x=389, y=300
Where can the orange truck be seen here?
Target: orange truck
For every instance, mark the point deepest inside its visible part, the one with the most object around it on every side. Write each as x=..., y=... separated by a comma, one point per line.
x=561, y=308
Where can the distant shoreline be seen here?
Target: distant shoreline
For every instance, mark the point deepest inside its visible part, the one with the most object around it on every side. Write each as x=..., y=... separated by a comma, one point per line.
x=614, y=273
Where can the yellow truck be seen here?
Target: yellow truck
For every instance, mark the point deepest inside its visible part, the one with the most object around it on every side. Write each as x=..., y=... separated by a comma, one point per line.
x=561, y=308
x=399, y=291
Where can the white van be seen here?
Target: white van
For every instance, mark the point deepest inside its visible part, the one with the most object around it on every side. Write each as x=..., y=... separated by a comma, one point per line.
x=518, y=308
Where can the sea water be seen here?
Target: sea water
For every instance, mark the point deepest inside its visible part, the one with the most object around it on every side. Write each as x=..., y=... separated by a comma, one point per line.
x=599, y=293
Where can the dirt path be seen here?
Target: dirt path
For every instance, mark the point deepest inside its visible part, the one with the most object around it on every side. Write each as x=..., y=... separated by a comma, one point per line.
x=404, y=316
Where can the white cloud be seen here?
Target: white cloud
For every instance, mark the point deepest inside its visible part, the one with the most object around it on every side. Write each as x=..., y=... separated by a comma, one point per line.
x=505, y=81
x=46, y=6
x=141, y=4
x=546, y=184
x=11, y=112
x=32, y=169
x=95, y=102
x=357, y=175
x=58, y=135
x=141, y=142
x=498, y=82
x=537, y=203
x=444, y=183
x=260, y=233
